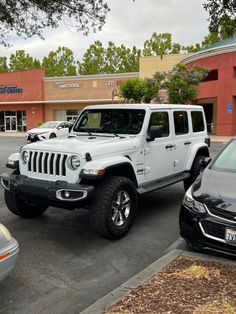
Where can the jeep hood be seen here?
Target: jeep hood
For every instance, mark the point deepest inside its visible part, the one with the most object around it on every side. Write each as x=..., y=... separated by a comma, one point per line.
x=81, y=145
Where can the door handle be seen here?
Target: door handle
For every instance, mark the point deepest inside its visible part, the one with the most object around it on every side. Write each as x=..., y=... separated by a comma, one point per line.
x=187, y=143
x=169, y=146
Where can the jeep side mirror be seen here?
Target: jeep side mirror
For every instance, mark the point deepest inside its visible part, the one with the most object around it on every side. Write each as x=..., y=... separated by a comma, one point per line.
x=204, y=162
x=59, y=127
x=154, y=132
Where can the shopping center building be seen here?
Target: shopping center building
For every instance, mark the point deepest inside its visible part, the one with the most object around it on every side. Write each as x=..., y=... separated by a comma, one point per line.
x=28, y=97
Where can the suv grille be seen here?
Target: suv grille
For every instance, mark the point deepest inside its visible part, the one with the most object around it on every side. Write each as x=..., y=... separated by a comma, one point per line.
x=47, y=163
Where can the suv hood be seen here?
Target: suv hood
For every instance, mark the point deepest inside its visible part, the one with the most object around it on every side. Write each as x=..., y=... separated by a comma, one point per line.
x=81, y=145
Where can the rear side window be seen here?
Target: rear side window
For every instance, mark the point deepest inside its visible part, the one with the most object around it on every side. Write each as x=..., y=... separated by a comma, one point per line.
x=197, y=121
x=181, y=122
x=160, y=119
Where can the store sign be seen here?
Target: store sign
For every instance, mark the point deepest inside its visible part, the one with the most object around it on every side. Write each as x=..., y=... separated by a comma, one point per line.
x=67, y=85
x=10, y=89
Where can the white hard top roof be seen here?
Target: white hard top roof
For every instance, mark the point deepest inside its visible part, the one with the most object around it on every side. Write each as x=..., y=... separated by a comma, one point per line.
x=144, y=106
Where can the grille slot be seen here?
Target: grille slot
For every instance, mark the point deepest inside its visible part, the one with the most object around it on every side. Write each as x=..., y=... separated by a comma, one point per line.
x=47, y=164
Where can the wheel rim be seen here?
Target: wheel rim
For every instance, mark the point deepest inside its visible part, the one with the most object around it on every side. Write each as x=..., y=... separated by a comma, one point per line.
x=121, y=208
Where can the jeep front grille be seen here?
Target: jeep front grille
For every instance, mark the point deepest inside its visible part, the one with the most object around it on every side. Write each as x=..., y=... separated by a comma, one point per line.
x=47, y=163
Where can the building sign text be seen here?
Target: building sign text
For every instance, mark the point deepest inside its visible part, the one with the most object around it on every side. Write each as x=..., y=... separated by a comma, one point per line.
x=10, y=89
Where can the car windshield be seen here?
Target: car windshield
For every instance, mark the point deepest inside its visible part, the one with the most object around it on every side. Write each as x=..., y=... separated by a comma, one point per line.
x=49, y=125
x=111, y=121
x=226, y=161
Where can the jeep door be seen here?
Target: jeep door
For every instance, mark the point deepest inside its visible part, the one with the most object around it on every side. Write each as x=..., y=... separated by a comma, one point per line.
x=182, y=139
x=159, y=152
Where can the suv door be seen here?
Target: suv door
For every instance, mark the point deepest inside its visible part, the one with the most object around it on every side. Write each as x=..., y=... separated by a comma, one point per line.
x=159, y=153
x=182, y=139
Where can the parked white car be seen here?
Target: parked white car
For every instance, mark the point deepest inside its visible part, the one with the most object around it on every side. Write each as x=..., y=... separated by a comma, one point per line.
x=50, y=129
x=8, y=252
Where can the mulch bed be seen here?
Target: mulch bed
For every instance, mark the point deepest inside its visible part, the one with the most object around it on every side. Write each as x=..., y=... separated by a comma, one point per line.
x=187, y=285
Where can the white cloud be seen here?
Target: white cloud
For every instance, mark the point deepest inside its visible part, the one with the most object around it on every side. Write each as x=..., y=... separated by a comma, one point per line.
x=128, y=22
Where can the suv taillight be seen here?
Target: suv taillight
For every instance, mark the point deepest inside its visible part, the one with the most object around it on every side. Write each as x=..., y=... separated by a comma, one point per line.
x=208, y=141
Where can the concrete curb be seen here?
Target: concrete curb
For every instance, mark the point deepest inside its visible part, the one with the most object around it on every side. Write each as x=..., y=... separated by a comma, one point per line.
x=117, y=294
x=146, y=274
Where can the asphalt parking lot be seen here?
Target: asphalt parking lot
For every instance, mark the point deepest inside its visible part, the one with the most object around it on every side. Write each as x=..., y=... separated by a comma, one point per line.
x=64, y=267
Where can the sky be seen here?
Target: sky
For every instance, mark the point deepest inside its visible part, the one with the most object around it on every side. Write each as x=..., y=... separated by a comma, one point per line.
x=129, y=22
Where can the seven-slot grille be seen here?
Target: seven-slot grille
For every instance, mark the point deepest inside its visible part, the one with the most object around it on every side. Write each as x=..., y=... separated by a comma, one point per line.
x=47, y=163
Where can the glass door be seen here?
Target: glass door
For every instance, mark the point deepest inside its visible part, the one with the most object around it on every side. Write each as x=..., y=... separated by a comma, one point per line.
x=10, y=124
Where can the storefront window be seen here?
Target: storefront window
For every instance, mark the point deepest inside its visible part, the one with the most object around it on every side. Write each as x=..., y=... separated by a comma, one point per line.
x=13, y=121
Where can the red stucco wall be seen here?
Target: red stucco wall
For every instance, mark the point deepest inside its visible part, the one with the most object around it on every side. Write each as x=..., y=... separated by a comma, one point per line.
x=31, y=81
x=224, y=90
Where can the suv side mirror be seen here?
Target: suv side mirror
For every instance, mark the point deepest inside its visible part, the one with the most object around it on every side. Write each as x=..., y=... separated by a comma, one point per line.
x=59, y=127
x=154, y=132
x=204, y=162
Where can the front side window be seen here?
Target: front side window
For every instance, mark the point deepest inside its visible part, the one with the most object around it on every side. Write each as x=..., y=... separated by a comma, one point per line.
x=226, y=161
x=160, y=119
x=181, y=122
x=197, y=121
x=121, y=121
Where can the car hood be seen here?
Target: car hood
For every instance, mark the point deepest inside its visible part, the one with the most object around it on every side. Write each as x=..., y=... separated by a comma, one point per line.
x=87, y=144
x=216, y=189
x=39, y=130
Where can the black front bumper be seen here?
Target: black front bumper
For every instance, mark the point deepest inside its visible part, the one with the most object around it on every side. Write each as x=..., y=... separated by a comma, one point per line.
x=205, y=232
x=59, y=194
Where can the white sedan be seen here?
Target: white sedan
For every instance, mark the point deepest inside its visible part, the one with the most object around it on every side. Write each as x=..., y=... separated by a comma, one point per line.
x=8, y=252
x=50, y=129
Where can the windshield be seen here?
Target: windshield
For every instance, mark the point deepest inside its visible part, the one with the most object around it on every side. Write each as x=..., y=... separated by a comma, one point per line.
x=122, y=121
x=48, y=125
x=226, y=161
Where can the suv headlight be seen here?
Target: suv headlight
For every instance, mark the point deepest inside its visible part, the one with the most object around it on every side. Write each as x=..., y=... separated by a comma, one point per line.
x=74, y=162
x=192, y=204
x=25, y=156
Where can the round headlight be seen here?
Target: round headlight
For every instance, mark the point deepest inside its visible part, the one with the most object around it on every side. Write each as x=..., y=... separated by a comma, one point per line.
x=25, y=156
x=75, y=162
x=5, y=233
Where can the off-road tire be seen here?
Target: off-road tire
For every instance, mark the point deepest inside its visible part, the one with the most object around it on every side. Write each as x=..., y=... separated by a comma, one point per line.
x=22, y=208
x=194, y=173
x=102, y=211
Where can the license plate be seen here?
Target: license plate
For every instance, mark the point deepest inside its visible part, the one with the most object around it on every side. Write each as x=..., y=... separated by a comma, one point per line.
x=230, y=235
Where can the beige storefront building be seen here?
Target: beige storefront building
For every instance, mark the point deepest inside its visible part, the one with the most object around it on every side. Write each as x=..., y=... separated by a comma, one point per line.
x=64, y=97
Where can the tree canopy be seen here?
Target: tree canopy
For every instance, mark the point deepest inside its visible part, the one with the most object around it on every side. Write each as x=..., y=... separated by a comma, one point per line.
x=59, y=63
x=29, y=17
x=22, y=61
x=222, y=16
x=181, y=84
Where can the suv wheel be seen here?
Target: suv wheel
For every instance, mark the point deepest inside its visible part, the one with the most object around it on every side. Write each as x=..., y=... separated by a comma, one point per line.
x=194, y=173
x=114, y=207
x=22, y=208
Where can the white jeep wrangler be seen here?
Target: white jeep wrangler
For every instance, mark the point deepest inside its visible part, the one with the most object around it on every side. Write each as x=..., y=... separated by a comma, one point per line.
x=113, y=154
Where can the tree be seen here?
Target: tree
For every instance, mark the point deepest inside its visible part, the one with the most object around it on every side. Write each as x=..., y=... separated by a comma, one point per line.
x=222, y=16
x=3, y=64
x=29, y=17
x=160, y=44
x=133, y=90
x=192, y=48
x=182, y=83
x=93, y=60
x=100, y=60
x=22, y=61
x=59, y=63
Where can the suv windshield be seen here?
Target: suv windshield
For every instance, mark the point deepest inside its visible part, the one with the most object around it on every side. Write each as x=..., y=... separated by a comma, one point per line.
x=122, y=121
